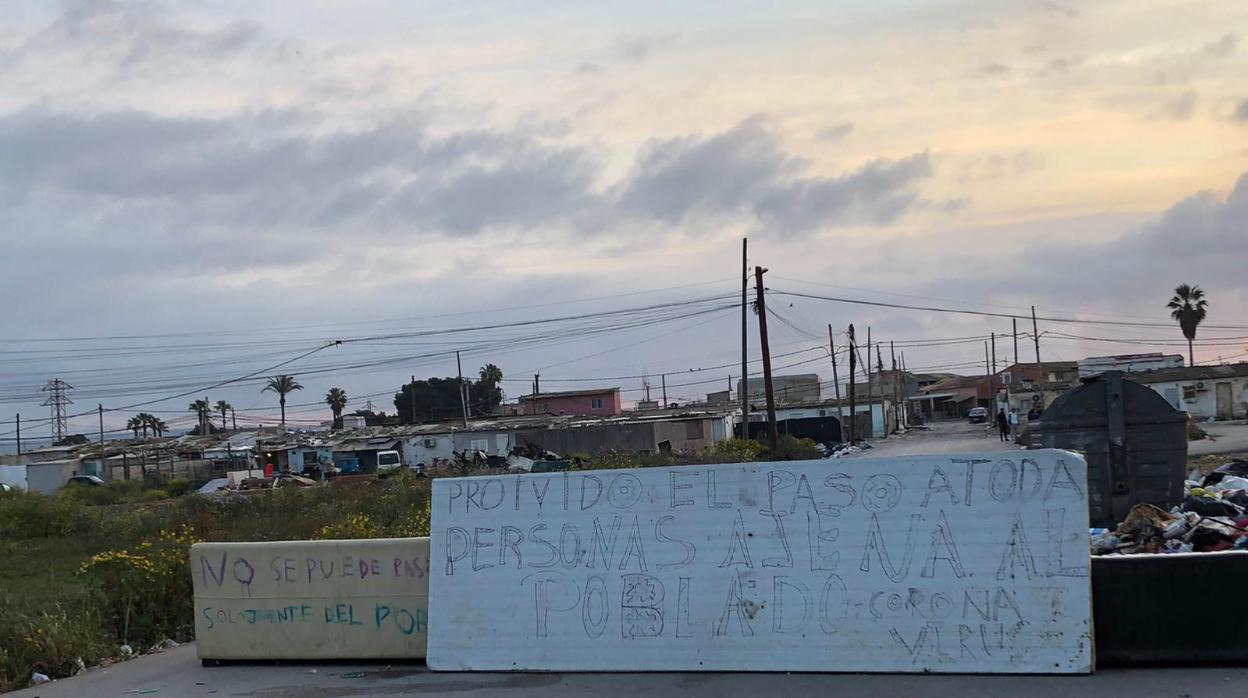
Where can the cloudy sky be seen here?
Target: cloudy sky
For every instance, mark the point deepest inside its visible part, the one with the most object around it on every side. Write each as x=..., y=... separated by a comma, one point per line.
x=239, y=181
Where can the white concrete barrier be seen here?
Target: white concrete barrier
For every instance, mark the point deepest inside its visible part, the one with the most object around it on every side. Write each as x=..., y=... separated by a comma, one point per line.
x=961, y=563
x=350, y=599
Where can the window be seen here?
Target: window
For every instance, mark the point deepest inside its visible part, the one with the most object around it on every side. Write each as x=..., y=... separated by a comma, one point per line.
x=596, y=403
x=1189, y=393
x=543, y=408
x=693, y=430
x=1005, y=377
x=309, y=458
x=431, y=443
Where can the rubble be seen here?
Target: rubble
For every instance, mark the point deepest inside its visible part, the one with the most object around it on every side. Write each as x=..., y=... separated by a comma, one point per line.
x=1212, y=517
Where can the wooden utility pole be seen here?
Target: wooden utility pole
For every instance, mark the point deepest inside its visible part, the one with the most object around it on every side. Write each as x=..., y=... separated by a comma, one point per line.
x=772, y=434
x=1035, y=335
x=19, y=433
x=836, y=381
x=853, y=364
x=101, y=471
x=663, y=377
x=987, y=368
x=1017, y=358
x=994, y=374
x=744, y=390
x=892, y=353
x=879, y=378
x=463, y=392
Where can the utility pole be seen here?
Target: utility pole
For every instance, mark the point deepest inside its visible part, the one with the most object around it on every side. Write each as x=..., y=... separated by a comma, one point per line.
x=762, y=335
x=19, y=433
x=463, y=392
x=879, y=378
x=203, y=417
x=645, y=384
x=836, y=381
x=664, y=377
x=870, y=389
x=853, y=360
x=411, y=398
x=1017, y=358
x=988, y=370
x=537, y=383
x=101, y=408
x=1035, y=335
x=994, y=374
x=744, y=390
x=892, y=353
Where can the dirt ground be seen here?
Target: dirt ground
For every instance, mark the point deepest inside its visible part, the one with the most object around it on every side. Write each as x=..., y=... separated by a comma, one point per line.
x=942, y=437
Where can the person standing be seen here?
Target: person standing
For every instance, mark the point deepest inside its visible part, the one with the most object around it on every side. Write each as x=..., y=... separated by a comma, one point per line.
x=1003, y=425
x=1014, y=424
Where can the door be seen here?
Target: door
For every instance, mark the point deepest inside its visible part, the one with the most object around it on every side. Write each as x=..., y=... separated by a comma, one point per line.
x=1225, y=409
x=1172, y=397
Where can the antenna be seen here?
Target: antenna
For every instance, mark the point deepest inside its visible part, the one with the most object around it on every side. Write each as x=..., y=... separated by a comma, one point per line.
x=58, y=398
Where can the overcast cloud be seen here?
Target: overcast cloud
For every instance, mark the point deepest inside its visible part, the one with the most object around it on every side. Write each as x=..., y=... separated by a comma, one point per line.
x=169, y=167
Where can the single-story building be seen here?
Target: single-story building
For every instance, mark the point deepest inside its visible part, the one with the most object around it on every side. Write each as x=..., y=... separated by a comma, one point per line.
x=363, y=450
x=1204, y=392
x=593, y=402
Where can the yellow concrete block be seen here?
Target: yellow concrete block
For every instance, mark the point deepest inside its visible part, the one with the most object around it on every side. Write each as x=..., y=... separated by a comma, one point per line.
x=348, y=599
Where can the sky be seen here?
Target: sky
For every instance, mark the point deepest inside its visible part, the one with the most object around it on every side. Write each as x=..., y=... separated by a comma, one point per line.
x=227, y=185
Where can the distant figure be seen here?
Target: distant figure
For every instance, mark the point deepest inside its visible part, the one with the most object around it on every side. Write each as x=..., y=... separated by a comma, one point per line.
x=1014, y=423
x=1003, y=425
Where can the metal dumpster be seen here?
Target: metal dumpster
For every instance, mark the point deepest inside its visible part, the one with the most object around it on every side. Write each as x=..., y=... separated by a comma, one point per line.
x=1179, y=608
x=1134, y=441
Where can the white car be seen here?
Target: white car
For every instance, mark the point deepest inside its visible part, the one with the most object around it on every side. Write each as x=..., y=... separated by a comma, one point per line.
x=388, y=462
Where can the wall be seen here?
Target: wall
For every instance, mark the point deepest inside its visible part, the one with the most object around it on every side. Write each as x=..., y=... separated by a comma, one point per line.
x=414, y=451
x=357, y=599
x=575, y=405
x=50, y=476
x=294, y=458
x=677, y=432
x=1205, y=406
x=14, y=475
x=624, y=436
x=876, y=409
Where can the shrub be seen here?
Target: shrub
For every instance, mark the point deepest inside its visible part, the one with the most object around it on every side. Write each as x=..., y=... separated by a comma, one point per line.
x=52, y=641
x=147, y=589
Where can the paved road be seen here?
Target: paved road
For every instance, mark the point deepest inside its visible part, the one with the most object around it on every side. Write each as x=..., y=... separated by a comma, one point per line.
x=1224, y=437
x=176, y=673
x=943, y=437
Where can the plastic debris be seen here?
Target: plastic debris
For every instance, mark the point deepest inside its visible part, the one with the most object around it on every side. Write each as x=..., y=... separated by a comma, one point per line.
x=39, y=679
x=126, y=651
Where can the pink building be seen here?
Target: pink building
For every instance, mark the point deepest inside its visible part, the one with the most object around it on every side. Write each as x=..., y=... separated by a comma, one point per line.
x=599, y=402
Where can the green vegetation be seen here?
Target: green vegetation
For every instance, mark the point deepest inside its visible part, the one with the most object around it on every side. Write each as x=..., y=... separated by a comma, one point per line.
x=92, y=568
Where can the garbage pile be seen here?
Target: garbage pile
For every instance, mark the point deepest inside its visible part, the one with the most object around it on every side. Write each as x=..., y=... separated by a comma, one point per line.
x=1213, y=517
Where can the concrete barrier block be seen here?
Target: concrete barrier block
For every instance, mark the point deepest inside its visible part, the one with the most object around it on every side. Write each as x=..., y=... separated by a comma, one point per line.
x=349, y=599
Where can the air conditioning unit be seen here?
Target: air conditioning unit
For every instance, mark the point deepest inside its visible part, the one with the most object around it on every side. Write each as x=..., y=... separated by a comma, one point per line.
x=1200, y=385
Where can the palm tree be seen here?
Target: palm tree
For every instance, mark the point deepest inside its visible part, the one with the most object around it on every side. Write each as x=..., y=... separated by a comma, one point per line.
x=133, y=424
x=1188, y=306
x=336, y=398
x=491, y=374
x=201, y=408
x=282, y=384
x=158, y=425
x=223, y=407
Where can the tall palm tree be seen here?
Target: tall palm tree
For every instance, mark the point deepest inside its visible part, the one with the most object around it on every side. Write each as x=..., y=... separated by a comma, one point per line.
x=223, y=407
x=491, y=374
x=282, y=384
x=1188, y=306
x=336, y=398
x=133, y=424
x=201, y=408
x=158, y=425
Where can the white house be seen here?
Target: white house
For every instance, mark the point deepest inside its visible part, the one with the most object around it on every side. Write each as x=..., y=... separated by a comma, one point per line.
x=1204, y=392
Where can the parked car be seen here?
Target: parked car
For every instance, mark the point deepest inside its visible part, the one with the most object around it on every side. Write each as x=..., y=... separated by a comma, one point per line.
x=977, y=415
x=388, y=462
x=84, y=481
x=5, y=487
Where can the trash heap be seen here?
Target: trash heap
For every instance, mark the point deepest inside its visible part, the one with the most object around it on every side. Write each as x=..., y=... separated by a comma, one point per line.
x=1213, y=517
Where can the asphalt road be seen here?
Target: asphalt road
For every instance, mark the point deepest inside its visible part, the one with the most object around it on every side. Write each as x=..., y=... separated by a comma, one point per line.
x=943, y=437
x=177, y=673
x=1224, y=437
